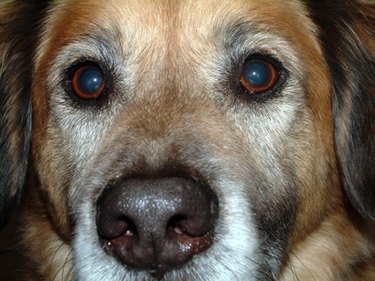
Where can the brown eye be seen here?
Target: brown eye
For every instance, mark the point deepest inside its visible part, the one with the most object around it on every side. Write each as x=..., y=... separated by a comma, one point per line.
x=87, y=82
x=259, y=76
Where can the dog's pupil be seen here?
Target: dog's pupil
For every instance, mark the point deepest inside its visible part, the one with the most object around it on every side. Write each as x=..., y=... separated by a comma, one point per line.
x=258, y=73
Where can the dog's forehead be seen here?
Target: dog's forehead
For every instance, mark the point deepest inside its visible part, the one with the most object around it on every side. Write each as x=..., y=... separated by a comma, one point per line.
x=163, y=26
x=158, y=14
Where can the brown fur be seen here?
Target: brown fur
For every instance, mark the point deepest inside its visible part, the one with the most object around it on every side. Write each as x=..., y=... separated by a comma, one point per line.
x=174, y=106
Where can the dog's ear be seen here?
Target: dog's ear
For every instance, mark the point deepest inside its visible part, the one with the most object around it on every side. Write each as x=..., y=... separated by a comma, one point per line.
x=348, y=37
x=18, y=33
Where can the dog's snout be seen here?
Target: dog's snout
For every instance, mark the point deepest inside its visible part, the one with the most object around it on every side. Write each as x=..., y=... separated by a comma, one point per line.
x=156, y=224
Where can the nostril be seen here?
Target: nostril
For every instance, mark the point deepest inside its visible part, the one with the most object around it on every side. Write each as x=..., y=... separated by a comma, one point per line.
x=189, y=238
x=110, y=220
x=111, y=228
x=175, y=224
x=195, y=226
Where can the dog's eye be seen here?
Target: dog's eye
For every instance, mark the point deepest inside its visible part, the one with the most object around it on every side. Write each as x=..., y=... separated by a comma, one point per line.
x=259, y=75
x=87, y=82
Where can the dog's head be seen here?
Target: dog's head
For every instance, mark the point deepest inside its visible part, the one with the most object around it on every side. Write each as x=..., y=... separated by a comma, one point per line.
x=202, y=140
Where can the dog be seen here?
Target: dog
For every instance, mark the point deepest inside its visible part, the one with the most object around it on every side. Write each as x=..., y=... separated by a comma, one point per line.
x=189, y=140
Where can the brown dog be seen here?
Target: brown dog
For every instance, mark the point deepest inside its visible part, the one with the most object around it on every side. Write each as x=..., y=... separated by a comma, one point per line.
x=190, y=140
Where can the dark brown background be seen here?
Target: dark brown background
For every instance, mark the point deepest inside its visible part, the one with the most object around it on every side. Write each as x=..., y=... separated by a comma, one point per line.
x=10, y=260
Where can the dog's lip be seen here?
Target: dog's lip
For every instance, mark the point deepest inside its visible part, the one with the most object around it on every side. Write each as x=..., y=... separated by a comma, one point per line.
x=159, y=264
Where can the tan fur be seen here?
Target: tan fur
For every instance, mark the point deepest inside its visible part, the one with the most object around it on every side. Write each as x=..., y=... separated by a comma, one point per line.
x=327, y=251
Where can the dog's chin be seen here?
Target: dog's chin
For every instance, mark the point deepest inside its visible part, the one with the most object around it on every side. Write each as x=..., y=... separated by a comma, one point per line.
x=232, y=256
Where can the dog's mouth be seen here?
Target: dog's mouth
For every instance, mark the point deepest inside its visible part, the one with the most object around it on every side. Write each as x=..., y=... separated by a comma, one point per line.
x=156, y=225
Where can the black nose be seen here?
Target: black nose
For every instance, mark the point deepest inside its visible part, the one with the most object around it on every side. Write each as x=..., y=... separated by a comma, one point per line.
x=156, y=224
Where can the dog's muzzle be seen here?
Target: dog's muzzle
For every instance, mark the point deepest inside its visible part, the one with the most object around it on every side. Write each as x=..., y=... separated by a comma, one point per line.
x=156, y=224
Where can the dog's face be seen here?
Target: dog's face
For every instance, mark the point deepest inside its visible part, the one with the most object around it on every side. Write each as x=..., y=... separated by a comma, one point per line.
x=186, y=140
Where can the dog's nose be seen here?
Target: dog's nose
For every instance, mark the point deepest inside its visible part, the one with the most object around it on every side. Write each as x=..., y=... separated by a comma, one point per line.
x=156, y=224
